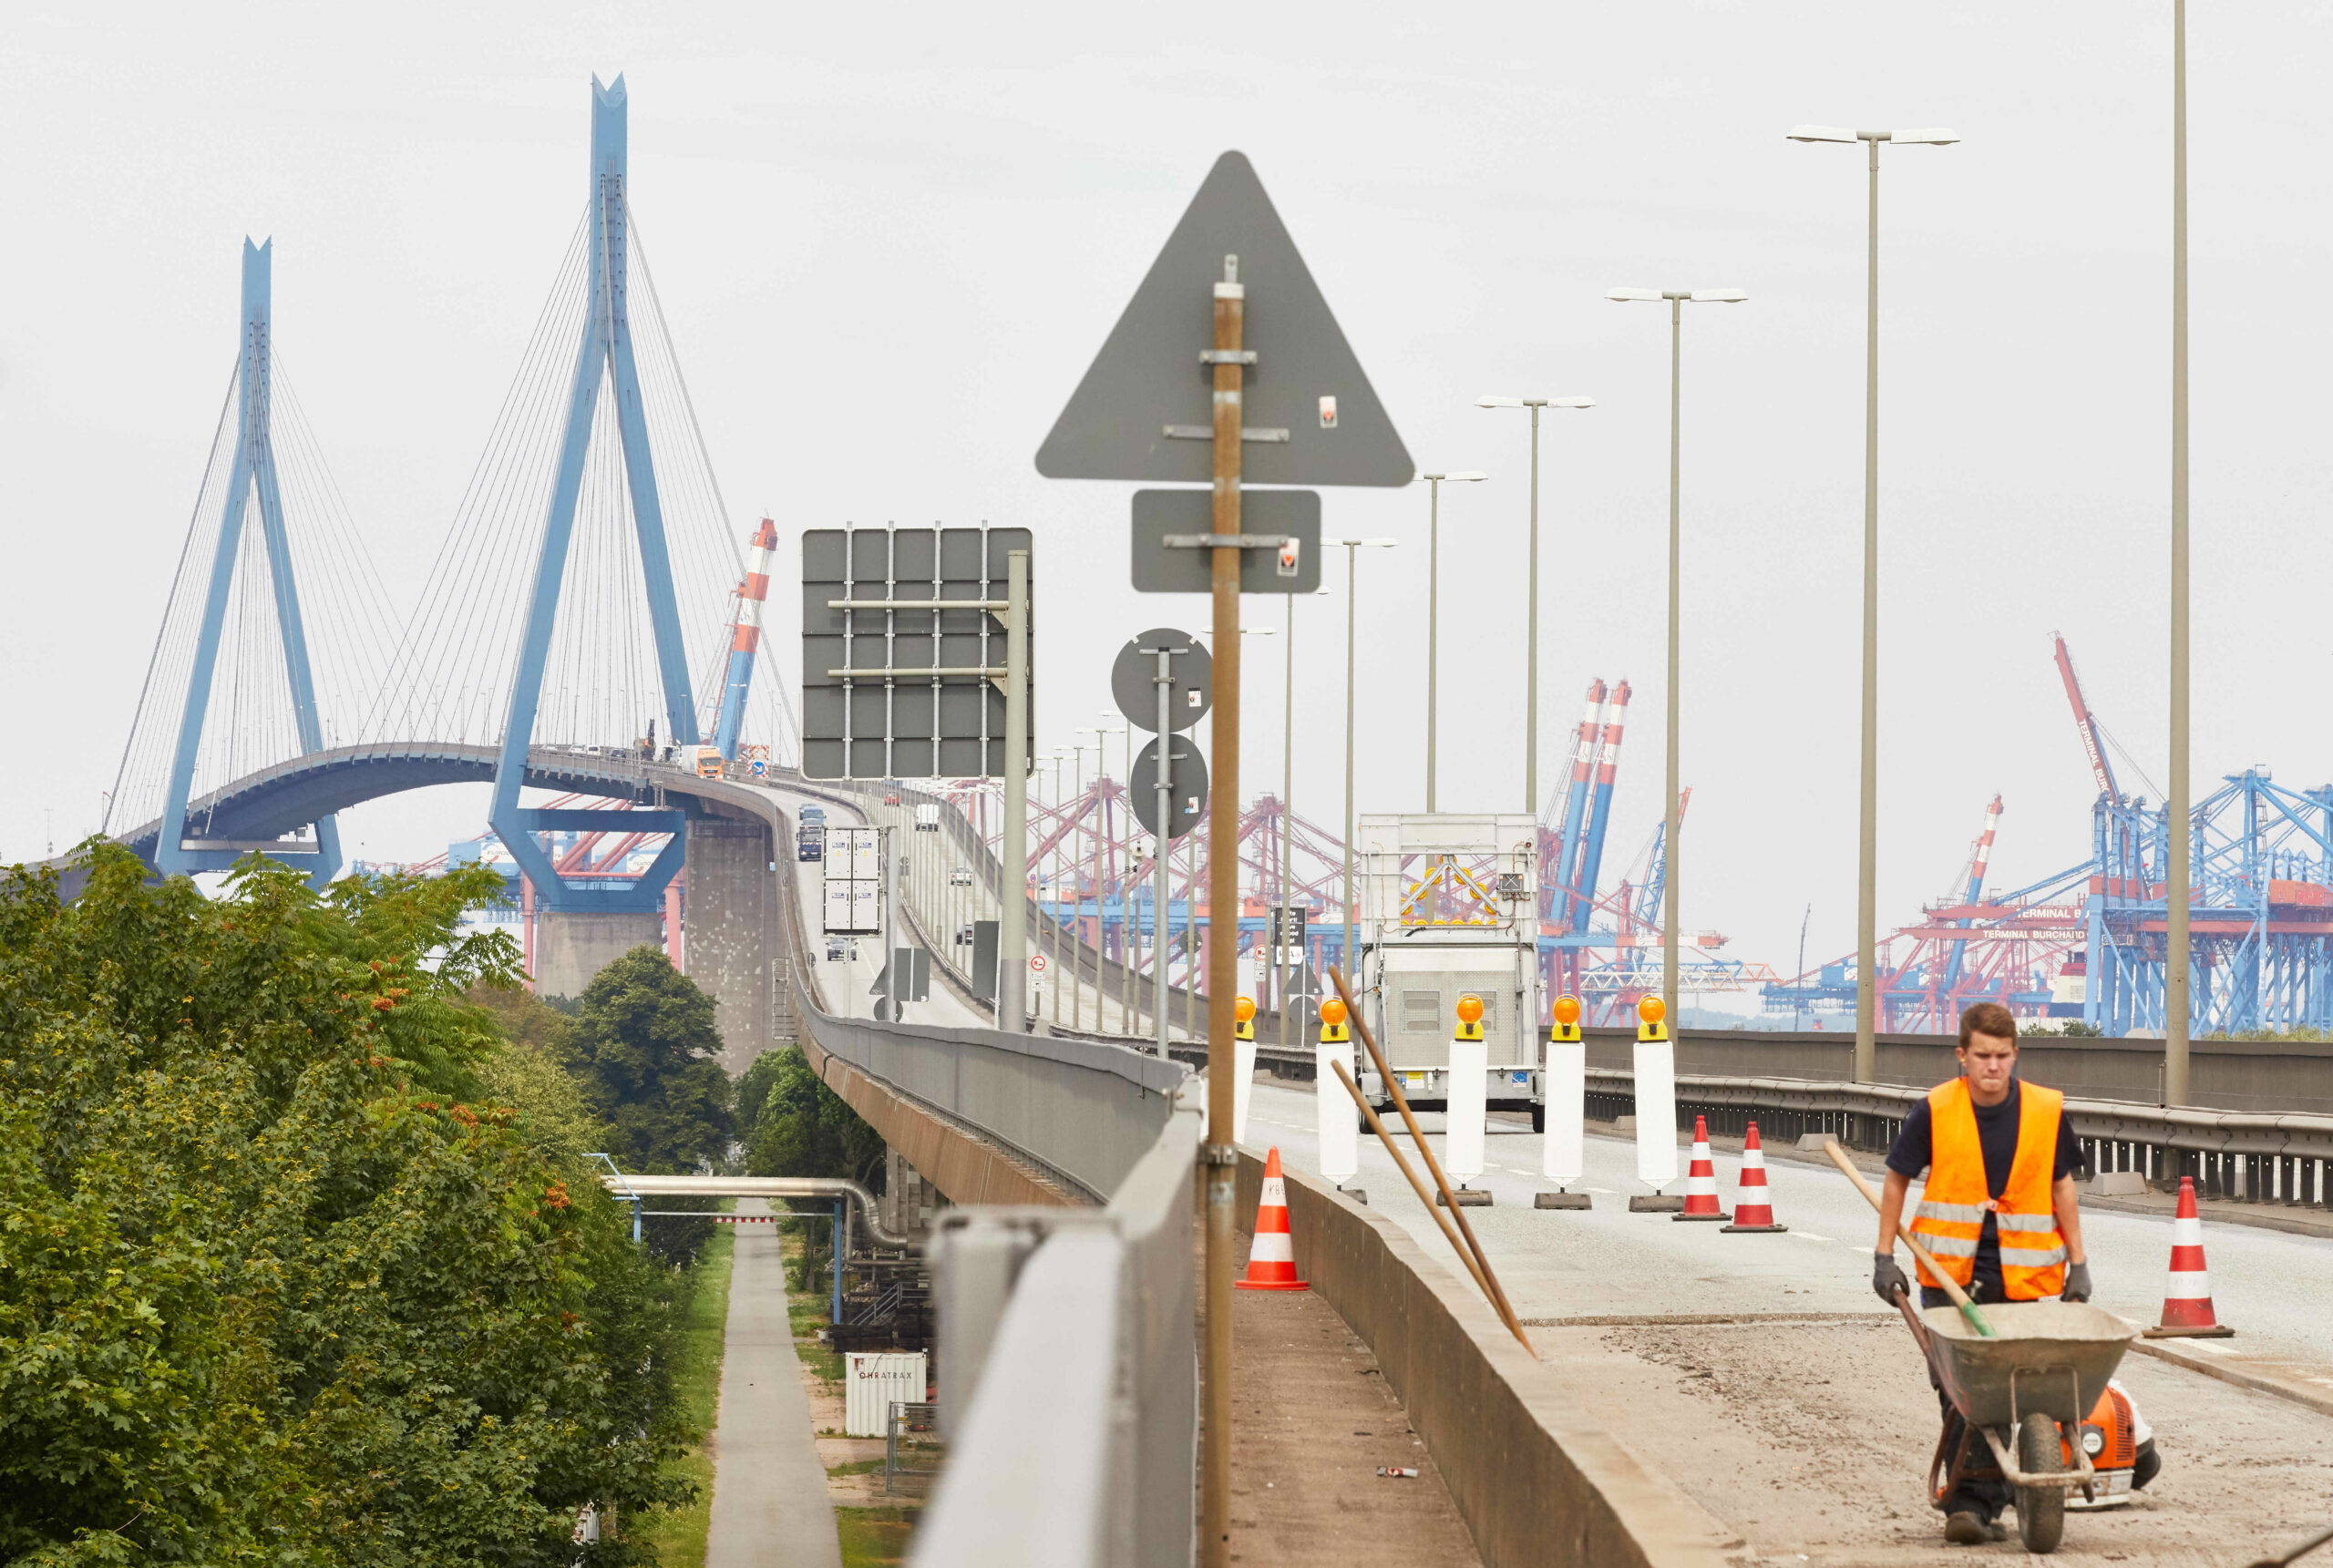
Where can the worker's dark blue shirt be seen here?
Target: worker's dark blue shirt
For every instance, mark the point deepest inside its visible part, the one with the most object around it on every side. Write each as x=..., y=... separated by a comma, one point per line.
x=1996, y=1136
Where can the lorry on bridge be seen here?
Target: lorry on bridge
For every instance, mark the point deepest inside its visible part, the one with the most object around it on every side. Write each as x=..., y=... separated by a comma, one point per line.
x=810, y=835
x=1448, y=904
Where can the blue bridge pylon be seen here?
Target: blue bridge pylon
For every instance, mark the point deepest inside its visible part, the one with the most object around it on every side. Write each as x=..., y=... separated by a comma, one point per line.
x=253, y=471
x=606, y=351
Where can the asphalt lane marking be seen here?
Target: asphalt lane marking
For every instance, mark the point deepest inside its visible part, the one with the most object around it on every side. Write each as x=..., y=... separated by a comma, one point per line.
x=1810, y=1235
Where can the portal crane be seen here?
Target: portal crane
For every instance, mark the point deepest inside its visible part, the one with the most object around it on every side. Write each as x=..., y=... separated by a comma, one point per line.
x=744, y=639
x=2093, y=736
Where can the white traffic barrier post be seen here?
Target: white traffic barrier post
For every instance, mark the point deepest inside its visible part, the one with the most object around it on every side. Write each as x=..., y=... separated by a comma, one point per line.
x=1339, y=1128
x=1243, y=1063
x=1656, y=1085
x=1467, y=1102
x=1564, y=1111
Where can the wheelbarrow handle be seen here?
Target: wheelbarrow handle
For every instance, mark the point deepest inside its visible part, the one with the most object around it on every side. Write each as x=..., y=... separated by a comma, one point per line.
x=1871, y=1195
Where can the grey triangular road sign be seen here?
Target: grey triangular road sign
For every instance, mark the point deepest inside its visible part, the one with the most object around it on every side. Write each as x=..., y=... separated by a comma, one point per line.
x=1149, y=376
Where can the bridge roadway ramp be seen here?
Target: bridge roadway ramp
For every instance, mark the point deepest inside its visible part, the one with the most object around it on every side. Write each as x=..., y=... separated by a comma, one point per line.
x=1015, y=1126
x=1757, y=1374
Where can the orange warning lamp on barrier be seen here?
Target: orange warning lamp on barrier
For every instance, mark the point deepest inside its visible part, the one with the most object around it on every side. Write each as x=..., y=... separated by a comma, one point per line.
x=1333, y=1022
x=1246, y=1009
x=1651, y=1012
x=1470, y=1018
x=1566, y=1020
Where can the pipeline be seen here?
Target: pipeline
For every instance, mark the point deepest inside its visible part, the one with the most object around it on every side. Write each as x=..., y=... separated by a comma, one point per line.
x=631, y=1187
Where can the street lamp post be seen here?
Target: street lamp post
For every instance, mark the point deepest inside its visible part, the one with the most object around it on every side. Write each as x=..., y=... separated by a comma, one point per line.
x=1287, y=822
x=1055, y=979
x=1867, y=875
x=1110, y=846
x=1353, y=578
x=2178, y=872
x=1077, y=941
x=1678, y=300
x=1531, y=638
x=1433, y=602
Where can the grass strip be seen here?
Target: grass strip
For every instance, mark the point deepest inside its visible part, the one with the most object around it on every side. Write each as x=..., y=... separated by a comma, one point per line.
x=678, y=1537
x=874, y=1537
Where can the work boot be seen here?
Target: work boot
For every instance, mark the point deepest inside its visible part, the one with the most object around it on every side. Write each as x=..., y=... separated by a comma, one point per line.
x=1965, y=1529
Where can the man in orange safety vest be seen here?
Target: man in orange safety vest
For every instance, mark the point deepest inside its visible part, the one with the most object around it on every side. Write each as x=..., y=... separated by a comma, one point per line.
x=1998, y=1214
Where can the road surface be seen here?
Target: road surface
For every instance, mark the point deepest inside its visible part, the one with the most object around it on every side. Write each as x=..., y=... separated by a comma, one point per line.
x=1758, y=1371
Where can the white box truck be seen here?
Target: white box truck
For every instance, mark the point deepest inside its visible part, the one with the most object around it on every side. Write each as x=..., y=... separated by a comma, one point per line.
x=1447, y=910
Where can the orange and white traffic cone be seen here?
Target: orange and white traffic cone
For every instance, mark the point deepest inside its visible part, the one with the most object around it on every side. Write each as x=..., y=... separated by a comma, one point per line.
x=1700, y=1178
x=1752, y=1210
x=2187, y=1300
x=1272, y=1261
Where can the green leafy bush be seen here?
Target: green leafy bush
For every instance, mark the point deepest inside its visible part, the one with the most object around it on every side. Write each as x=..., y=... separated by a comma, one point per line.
x=278, y=1280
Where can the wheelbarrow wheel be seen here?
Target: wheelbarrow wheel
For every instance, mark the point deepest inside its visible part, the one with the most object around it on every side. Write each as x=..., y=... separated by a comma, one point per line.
x=2040, y=1510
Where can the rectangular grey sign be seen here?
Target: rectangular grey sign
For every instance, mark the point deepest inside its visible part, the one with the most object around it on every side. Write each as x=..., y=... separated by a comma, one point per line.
x=906, y=724
x=1158, y=514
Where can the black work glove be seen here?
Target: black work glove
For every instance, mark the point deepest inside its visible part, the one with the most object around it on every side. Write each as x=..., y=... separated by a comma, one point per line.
x=1887, y=1279
x=2077, y=1283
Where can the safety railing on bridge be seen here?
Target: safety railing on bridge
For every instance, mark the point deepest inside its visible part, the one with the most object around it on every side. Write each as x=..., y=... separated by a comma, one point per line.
x=1119, y=1001
x=1069, y=1386
x=2231, y=1153
x=1067, y=1365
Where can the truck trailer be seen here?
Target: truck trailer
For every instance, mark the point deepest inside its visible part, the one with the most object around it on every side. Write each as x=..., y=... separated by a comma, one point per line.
x=1448, y=907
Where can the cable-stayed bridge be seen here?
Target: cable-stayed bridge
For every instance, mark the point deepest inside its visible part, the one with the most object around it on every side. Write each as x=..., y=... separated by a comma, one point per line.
x=580, y=619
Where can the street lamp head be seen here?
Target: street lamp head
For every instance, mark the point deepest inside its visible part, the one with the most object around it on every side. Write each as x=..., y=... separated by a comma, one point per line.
x=1498, y=403
x=1931, y=136
x=1623, y=296
x=1367, y=544
x=1719, y=296
x=1822, y=133
x=1571, y=403
x=1457, y=475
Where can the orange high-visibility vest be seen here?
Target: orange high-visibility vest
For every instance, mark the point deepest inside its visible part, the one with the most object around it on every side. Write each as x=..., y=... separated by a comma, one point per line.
x=1951, y=1215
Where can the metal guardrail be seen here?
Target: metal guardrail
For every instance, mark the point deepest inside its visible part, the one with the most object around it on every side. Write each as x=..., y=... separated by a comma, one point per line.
x=2231, y=1153
x=1069, y=1383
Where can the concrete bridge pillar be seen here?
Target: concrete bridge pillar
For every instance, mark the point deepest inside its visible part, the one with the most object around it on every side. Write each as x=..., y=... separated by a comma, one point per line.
x=731, y=906
x=570, y=947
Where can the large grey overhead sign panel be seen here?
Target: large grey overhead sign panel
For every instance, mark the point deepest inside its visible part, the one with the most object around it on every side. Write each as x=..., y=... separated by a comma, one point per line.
x=1310, y=415
x=931, y=704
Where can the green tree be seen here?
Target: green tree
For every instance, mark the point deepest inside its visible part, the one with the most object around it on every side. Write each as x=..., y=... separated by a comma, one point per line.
x=532, y=1078
x=802, y=1128
x=645, y=1046
x=273, y=1285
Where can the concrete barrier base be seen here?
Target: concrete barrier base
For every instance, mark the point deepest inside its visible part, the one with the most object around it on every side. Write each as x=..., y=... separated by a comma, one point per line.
x=1562, y=1201
x=1537, y=1474
x=1656, y=1203
x=1468, y=1198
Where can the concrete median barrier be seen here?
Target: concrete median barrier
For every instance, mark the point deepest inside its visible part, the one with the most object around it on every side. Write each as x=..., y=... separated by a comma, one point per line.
x=1536, y=1468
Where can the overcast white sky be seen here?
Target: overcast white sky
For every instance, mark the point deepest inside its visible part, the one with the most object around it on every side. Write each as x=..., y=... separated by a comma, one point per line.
x=888, y=240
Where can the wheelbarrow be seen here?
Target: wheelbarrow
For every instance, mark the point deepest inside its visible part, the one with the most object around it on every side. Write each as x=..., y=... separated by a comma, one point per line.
x=2021, y=1375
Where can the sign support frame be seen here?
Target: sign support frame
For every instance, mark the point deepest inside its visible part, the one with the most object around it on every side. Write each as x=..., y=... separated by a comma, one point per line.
x=1160, y=918
x=1223, y=894
x=1013, y=881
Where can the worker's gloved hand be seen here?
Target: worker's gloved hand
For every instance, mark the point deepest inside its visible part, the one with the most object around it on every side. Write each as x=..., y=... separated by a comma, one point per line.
x=1887, y=1279
x=2077, y=1283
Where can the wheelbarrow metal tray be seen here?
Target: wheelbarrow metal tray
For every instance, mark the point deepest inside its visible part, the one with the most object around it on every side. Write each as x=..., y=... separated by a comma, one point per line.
x=2051, y=1359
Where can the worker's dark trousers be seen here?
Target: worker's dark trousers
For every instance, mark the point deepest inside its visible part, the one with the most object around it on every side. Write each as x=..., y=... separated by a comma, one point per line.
x=1985, y=1497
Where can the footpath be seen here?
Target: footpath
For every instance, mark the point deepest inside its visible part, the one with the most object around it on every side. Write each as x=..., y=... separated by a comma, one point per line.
x=769, y=1488
x=1312, y=1422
